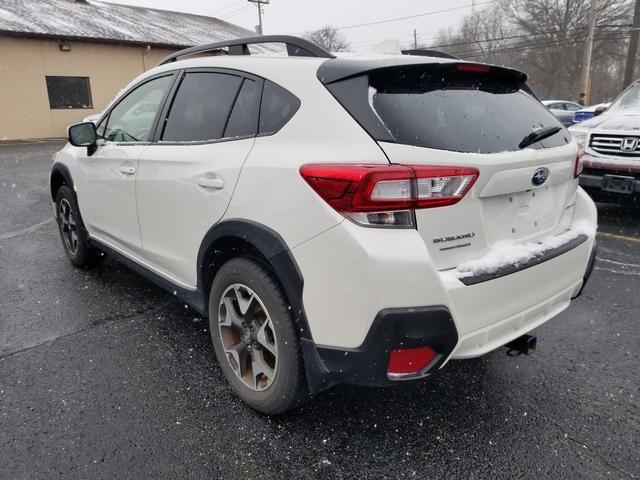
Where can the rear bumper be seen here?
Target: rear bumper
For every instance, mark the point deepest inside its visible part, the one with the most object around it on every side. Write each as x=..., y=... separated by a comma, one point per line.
x=424, y=326
x=352, y=274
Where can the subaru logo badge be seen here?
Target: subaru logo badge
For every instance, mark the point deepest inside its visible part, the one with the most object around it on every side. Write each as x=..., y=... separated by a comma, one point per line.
x=540, y=176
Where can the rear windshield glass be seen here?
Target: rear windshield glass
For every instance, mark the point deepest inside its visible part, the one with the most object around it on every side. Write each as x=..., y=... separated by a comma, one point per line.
x=438, y=107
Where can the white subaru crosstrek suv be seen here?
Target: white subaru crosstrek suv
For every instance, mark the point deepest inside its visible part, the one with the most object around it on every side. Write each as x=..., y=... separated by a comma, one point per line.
x=339, y=220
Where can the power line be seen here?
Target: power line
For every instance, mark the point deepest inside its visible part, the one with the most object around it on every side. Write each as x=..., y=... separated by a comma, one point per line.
x=517, y=48
x=510, y=37
x=424, y=14
x=217, y=12
x=407, y=37
x=242, y=9
x=529, y=47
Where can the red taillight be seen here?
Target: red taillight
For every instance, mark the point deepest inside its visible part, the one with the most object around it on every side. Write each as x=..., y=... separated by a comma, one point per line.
x=471, y=67
x=410, y=360
x=388, y=188
x=577, y=169
x=349, y=188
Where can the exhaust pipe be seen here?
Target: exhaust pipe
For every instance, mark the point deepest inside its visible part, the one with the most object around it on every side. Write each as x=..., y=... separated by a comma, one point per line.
x=526, y=344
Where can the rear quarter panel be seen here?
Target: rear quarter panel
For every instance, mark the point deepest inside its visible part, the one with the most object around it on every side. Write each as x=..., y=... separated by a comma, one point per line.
x=270, y=189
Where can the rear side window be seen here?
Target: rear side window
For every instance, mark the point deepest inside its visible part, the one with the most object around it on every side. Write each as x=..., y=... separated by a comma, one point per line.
x=244, y=116
x=201, y=107
x=277, y=108
x=436, y=106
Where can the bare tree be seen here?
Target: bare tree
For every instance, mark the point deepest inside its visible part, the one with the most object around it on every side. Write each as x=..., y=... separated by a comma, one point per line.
x=546, y=38
x=329, y=38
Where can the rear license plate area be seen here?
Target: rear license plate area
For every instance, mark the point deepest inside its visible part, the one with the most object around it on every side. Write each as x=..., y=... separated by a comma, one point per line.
x=618, y=184
x=520, y=214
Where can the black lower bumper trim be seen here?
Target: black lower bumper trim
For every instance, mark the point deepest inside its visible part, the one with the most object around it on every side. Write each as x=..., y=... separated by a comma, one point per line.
x=392, y=328
x=590, y=265
x=508, y=270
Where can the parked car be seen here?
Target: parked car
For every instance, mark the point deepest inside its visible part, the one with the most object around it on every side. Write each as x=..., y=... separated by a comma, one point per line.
x=338, y=220
x=563, y=110
x=611, y=144
x=590, y=112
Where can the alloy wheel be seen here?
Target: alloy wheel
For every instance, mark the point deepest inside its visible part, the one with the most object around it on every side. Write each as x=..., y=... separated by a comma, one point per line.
x=248, y=337
x=68, y=226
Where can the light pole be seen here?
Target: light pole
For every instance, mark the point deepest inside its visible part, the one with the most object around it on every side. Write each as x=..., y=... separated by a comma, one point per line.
x=633, y=47
x=588, y=50
x=259, y=4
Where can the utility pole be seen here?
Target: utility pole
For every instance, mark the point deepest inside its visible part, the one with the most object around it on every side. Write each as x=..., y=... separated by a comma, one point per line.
x=633, y=47
x=588, y=50
x=259, y=4
x=415, y=38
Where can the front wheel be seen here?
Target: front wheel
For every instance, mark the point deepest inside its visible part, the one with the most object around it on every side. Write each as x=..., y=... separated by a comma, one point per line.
x=74, y=237
x=254, y=337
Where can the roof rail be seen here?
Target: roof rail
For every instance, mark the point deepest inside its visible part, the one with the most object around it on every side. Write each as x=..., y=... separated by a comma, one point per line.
x=424, y=52
x=296, y=47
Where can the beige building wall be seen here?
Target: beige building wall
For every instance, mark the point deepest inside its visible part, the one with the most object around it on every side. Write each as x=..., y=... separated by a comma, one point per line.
x=24, y=63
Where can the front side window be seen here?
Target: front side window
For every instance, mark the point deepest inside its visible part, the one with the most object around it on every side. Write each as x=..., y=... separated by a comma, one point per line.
x=132, y=119
x=201, y=108
x=69, y=92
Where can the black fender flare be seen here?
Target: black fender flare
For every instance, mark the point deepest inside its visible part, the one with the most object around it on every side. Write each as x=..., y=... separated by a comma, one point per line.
x=273, y=248
x=279, y=257
x=63, y=170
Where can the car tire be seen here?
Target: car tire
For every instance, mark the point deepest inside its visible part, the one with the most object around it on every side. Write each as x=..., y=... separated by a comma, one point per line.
x=75, y=239
x=254, y=337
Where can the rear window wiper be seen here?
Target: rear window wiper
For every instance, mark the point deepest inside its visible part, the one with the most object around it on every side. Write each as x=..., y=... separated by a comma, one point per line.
x=538, y=135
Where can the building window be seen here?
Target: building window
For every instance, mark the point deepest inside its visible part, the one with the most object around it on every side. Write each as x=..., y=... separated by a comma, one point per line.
x=69, y=92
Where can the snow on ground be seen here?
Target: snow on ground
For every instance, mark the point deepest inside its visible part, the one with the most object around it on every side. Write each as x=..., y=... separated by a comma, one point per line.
x=506, y=253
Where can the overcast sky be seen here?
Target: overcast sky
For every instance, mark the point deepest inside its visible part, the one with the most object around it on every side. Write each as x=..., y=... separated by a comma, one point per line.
x=298, y=16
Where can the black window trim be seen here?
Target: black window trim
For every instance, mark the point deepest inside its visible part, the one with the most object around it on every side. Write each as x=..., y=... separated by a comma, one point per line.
x=71, y=76
x=167, y=106
x=107, y=113
x=161, y=118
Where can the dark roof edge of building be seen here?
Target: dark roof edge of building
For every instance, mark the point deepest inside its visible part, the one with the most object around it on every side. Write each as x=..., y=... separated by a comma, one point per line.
x=107, y=41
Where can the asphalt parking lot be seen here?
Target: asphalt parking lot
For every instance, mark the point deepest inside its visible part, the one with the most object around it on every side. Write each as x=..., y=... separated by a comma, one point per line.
x=103, y=375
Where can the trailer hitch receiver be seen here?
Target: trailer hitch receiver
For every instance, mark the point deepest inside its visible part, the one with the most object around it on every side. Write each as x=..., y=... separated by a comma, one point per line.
x=526, y=344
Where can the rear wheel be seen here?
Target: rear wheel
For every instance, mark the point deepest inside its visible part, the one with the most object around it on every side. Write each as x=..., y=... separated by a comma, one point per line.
x=254, y=337
x=74, y=237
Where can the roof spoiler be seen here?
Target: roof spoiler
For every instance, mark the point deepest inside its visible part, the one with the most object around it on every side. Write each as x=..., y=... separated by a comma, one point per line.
x=296, y=47
x=343, y=68
x=424, y=52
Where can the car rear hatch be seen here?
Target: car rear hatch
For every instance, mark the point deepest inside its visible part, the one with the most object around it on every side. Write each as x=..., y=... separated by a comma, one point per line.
x=475, y=116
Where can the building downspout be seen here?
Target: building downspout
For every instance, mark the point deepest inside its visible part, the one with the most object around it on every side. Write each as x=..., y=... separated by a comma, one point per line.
x=145, y=52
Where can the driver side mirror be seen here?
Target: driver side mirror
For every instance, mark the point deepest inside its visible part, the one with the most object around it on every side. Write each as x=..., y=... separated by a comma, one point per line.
x=83, y=135
x=599, y=110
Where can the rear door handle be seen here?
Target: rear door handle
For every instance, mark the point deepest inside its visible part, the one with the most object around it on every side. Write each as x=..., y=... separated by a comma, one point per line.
x=127, y=170
x=206, y=182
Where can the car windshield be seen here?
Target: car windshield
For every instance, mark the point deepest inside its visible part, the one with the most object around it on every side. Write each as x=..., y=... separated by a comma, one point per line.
x=629, y=100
